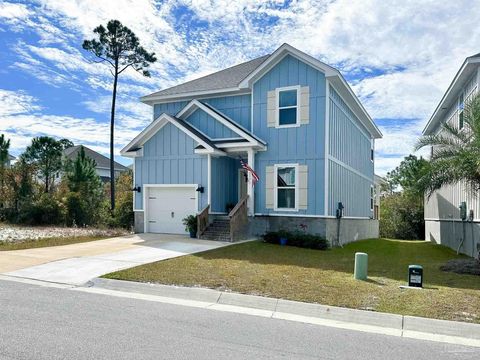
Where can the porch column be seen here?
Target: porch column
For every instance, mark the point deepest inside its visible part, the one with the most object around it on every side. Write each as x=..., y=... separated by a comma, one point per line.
x=250, y=191
x=209, y=180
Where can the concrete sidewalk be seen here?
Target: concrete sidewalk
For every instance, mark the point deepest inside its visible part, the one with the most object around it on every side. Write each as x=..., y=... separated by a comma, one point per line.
x=76, y=264
x=383, y=323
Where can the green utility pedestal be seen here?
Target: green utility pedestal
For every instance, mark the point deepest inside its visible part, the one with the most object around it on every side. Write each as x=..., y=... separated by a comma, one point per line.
x=361, y=266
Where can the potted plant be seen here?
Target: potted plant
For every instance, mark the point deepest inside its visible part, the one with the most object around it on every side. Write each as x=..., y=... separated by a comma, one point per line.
x=190, y=223
x=283, y=237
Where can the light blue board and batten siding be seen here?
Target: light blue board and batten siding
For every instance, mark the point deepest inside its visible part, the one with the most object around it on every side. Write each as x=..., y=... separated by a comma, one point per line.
x=303, y=145
x=210, y=126
x=169, y=158
x=237, y=108
x=349, y=142
x=224, y=182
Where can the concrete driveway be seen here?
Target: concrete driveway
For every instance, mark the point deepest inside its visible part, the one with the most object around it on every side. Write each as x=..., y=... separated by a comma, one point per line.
x=76, y=264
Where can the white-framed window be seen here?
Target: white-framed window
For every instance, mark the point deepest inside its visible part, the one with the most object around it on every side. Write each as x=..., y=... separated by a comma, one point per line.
x=288, y=106
x=460, y=111
x=372, y=197
x=286, y=187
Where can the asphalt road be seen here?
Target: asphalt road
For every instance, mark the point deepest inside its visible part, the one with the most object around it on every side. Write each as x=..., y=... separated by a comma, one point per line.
x=49, y=323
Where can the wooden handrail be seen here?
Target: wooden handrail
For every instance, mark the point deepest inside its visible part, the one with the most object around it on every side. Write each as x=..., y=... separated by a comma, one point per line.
x=238, y=206
x=202, y=220
x=239, y=219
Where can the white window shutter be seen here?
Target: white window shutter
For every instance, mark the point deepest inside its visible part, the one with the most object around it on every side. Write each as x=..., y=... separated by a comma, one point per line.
x=269, y=187
x=271, y=108
x=304, y=105
x=302, y=187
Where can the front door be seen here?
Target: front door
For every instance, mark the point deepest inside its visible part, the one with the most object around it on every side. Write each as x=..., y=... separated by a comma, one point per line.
x=242, y=183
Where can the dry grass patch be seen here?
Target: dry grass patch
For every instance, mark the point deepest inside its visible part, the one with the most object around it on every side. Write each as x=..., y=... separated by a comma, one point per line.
x=326, y=276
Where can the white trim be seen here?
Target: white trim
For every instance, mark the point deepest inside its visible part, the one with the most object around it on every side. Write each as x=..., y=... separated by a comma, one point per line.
x=250, y=189
x=209, y=179
x=139, y=210
x=327, y=147
x=205, y=94
x=277, y=107
x=156, y=126
x=275, y=187
x=452, y=220
x=134, y=185
x=251, y=111
x=372, y=151
x=146, y=187
x=278, y=55
x=316, y=216
x=348, y=167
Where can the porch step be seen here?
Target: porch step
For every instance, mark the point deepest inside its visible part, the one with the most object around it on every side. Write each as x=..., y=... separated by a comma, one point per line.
x=218, y=230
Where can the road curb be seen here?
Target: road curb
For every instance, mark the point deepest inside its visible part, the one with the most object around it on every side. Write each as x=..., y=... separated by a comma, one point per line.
x=362, y=320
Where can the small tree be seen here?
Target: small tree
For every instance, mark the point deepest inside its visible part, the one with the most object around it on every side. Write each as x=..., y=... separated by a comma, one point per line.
x=86, y=189
x=119, y=47
x=45, y=153
x=4, y=146
x=19, y=181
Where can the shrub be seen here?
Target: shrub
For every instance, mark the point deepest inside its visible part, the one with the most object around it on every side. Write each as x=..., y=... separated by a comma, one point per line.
x=298, y=239
x=123, y=213
x=46, y=210
x=77, y=212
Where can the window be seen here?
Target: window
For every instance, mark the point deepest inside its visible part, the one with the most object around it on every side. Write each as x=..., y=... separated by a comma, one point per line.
x=460, y=112
x=286, y=187
x=288, y=107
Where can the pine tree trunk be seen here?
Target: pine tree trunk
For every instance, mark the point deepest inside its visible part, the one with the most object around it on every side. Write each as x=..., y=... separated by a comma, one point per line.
x=112, y=122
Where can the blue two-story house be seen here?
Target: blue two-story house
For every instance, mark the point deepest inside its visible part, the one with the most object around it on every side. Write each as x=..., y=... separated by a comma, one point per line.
x=292, y=118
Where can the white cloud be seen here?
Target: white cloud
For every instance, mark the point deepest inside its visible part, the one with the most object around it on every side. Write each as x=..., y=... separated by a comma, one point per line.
x=401, y=57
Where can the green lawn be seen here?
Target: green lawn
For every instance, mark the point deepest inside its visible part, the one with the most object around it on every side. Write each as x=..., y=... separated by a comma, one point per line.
x=46, y=242
x=326, y=277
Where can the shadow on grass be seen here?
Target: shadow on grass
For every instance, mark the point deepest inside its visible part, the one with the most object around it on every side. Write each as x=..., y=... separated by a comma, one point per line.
x=387, y=259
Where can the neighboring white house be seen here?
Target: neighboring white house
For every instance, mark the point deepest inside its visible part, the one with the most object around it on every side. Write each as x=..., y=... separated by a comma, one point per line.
x=103, y=163
x=443, y=222
x=10, y=158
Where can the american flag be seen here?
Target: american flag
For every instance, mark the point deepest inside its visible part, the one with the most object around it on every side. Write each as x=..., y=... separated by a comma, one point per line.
x=255, y=177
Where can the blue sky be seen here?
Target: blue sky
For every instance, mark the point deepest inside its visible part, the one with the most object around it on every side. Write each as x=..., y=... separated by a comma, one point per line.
x=399, y=59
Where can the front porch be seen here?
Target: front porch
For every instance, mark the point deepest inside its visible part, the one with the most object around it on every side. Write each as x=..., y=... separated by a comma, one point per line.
x=230, y=198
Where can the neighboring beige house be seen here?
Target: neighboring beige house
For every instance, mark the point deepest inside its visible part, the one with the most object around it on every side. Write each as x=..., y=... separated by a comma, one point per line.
x=443, y=222
x=103, y=163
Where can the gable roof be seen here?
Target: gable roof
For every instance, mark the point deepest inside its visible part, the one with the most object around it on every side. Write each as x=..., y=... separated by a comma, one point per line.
x=193, y=105
x=135, y=146
x=10, y=157
x=465, y=72
x=240, y=79
x=224, y=79
x=101, y=161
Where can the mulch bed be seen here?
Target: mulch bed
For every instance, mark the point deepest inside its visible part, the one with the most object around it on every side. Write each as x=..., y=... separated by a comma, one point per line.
x=462, y=266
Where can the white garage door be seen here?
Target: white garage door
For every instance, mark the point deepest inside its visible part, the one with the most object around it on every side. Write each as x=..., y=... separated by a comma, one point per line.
x=166, y=207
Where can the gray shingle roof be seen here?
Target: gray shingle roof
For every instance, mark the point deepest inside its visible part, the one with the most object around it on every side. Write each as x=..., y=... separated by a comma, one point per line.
x=226, y=78
x=100, y=160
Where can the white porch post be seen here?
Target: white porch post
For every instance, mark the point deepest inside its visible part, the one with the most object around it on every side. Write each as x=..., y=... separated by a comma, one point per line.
x=209, y=180
x=250, y=191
